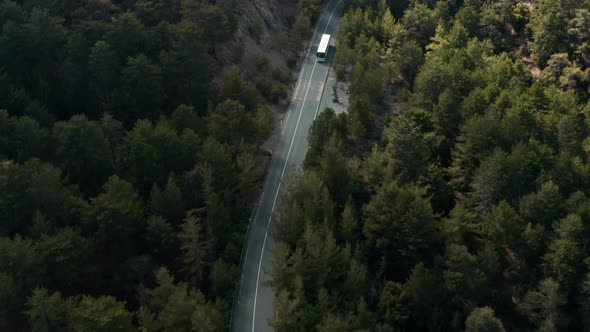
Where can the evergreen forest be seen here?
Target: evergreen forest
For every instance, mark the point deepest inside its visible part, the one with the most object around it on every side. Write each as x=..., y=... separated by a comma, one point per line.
x=454, y=193
x=130, y=159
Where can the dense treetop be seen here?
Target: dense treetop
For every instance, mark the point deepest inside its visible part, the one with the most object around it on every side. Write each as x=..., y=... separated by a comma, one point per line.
x=453, y=195
x=126, y=175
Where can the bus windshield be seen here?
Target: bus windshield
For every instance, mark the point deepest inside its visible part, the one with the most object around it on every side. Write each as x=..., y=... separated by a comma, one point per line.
x=323, y=48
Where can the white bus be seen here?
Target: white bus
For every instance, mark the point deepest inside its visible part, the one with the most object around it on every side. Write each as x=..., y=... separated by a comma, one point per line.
x=323, y=48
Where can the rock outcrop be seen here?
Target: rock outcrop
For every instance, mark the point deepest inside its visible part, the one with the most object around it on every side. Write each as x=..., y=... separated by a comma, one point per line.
x=276, y=15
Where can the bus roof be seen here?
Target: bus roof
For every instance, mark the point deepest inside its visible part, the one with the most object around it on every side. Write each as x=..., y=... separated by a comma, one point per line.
x=324, y=44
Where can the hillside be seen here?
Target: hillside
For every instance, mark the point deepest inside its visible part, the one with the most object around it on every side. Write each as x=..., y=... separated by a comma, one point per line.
x=131, y=155
x=453, y=193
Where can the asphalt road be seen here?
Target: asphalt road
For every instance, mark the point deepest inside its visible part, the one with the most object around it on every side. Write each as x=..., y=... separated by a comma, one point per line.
x=254, y=305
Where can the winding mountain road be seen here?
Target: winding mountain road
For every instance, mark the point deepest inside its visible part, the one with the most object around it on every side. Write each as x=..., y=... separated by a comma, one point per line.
x=254, y=303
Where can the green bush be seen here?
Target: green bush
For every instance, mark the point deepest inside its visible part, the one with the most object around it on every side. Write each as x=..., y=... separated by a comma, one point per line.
x=263, y=63
x=265, y=87
x=279, y=91
x=282, y=75
x=258, y=28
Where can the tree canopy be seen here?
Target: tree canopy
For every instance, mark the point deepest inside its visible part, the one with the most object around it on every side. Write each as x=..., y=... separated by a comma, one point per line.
x=453, y=191
x=130, y=157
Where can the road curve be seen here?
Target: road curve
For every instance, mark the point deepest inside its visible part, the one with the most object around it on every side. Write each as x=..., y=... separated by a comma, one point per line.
x=254, y=303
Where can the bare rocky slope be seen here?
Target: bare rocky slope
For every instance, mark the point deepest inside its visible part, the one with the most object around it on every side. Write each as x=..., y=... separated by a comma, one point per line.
x=276, y=14
x=245, y=47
